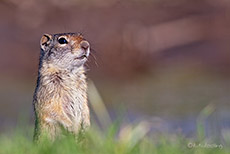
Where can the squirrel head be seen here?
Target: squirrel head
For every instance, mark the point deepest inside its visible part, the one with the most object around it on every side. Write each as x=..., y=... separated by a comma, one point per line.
x=64, y=51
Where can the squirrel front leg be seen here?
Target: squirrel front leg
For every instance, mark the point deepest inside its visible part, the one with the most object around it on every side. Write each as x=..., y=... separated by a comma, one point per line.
x=85, y=117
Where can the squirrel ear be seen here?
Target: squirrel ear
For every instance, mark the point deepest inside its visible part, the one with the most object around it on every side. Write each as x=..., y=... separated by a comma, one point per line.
x=45, y=41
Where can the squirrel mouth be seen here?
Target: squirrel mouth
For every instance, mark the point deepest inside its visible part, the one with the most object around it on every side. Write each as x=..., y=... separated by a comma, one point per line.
x=81, y=57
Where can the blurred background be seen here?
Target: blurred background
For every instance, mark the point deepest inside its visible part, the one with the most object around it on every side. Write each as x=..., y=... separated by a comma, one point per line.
x=159, y=61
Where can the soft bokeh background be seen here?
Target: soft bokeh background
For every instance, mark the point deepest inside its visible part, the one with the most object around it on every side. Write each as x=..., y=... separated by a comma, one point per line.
x=161, y=61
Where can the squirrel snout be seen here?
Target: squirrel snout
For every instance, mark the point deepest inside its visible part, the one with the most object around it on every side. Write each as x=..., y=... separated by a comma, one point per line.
x=84, y=45
x=84, y=48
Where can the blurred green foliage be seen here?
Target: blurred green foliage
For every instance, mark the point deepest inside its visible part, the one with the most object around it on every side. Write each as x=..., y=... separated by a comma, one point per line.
x=95, y=141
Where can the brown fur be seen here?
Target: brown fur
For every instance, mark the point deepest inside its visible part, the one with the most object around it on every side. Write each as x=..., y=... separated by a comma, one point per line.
x=60, y=99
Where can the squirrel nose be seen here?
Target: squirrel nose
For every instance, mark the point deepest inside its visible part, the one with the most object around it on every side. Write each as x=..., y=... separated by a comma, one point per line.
x=84, y=45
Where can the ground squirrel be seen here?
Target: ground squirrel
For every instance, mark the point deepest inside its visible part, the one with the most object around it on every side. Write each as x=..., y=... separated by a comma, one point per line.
x=60, y=98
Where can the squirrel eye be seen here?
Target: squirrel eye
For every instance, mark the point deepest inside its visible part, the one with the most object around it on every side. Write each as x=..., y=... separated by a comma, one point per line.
x=62, y=41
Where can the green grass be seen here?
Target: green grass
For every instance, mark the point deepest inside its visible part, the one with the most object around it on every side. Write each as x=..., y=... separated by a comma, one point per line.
x=115, y=140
